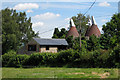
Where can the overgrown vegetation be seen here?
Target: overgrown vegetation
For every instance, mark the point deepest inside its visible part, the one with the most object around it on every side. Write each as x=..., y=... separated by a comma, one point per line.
x=68, y=58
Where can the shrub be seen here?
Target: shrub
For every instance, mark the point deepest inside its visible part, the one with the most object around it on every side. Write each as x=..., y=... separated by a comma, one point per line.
x=68, y=58
x=34, y=60
x=41, y=59
x=17, y=61
x=7, y=56
x=49, y=59
x=65, y=56
x=114, y=57
x=11, y=59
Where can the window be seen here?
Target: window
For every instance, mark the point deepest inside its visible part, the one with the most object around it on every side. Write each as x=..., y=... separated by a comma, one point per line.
x=47, y=47
x=31, y=47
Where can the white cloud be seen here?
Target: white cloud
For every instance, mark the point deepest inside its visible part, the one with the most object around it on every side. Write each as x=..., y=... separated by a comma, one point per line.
x=67, y=19
x=26, y=6
x=28, y=11
x=49, y=26
x=38, y=24
x=45, y=16
x=51, y=5
x=104, y=4
x=104, y=20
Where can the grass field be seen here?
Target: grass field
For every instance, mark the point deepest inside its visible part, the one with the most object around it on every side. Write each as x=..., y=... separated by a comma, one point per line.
x=59, y=73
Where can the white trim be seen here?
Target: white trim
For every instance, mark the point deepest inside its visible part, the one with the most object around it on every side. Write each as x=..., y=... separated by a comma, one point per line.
x=72, y=23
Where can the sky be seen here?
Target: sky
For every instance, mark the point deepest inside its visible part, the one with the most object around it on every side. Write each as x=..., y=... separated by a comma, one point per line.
x=48, y=15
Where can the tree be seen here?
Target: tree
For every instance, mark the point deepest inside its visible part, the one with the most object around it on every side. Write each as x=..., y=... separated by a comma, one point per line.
x=93, y=43
x=56, y=33
x=59, y=34
x=75, y=43
x=104, y=41
x=111, y=32
x=84, y=21
x=16, y=29
x=70, y=41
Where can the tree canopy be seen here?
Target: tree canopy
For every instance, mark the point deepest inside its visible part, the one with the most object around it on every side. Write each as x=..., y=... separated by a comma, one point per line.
x=59, y=34
x=111, y=36
x=84, y=21
x=16, y=29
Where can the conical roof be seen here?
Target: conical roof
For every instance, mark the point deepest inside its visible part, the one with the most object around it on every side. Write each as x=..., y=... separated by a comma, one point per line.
x=93, y=29
x=73, y=31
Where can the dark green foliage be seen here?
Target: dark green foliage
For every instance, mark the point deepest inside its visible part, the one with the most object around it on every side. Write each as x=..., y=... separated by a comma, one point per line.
x=56, y=33
x=75, y=43
x=49, y=59
x=104, y=41
x=59, y=34
x=111, y=36
x=16, y=29
x=115, y=57
x=93, y=43
x=39, y=59
x=70, y=41
x=11, y=59
x=35, y=59
x=7, y=56
x=64, y=57
x=67, y=58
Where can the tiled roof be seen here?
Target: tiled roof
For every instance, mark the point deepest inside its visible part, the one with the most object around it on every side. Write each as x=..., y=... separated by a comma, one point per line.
x=58, y=42
x=73, y=32
x=93, y=30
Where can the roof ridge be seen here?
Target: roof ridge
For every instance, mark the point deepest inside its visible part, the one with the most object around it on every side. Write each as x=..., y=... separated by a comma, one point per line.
x=43, y=41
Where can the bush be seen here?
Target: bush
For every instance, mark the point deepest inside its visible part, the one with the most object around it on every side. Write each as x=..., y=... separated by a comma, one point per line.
x=34, y=60
x=17, y=61
x=11, y=59
x=65, y=57
x=48, y=59
x=114, y=57
x=80, y=60
x=41, y=59
x=7, y=56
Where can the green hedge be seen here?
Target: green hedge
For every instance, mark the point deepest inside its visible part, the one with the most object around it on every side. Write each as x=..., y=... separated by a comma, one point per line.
x=11, y=59
x=68, y=58
x=38, y=59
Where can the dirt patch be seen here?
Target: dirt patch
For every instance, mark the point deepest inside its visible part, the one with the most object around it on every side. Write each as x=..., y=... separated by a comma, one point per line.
x=104, y=75
x=94, y=73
